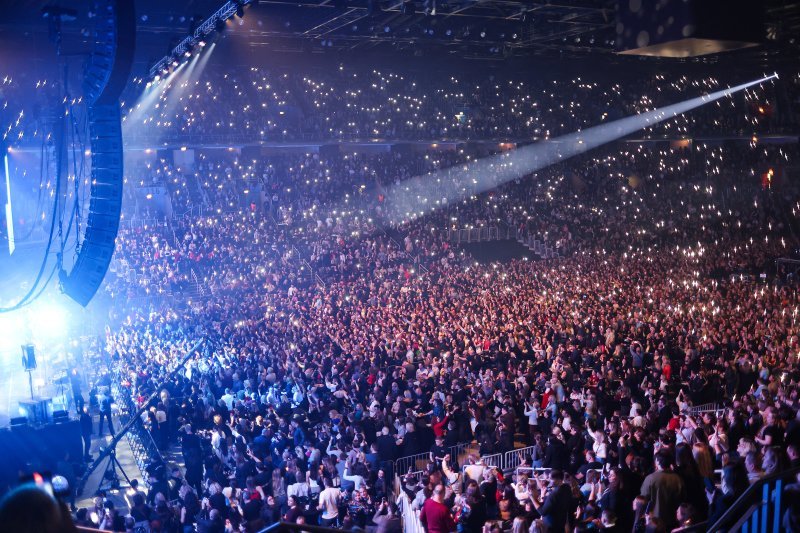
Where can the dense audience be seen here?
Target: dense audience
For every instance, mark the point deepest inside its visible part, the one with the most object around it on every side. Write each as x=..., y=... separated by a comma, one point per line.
x=336, y=343
x=332, y=353
x=352, y=103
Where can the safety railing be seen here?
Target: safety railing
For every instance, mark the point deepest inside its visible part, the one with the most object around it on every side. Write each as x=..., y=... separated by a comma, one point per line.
x=415, y=259
x=143, y=448
x=418, y=462
x=704, y=408
x=759, y=510
x=495, y=459
x=507, y=461
x=412, y=464
x=542, y=470
x=286, y=527
x=512, y=459
x=479, y=234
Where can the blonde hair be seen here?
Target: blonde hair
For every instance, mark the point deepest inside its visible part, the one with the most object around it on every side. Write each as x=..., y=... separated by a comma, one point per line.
x=748, y=445
x=519, y=525
x=702, y=456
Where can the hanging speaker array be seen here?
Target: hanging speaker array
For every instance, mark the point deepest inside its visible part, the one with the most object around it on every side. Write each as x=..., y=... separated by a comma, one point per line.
x=107, y=73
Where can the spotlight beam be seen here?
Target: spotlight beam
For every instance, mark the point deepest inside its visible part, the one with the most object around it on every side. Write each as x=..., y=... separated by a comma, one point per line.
x=167, y=93
x=409, y=199
x=148, y=99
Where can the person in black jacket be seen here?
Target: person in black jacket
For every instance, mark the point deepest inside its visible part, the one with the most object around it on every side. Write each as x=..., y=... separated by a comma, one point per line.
x=556, y=455
x=555, y=504
x=387, y=446
x=686, y=468
x=411, y=441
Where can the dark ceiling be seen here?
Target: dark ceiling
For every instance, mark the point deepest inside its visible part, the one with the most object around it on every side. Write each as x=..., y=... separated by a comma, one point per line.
x=473, y=29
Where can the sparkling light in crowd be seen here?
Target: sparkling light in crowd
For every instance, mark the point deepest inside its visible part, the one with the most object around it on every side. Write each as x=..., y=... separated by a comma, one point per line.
x=408, y=199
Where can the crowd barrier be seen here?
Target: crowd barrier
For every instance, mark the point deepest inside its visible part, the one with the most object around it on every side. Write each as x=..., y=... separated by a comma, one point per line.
x=704, y=408
x=416, y=463
x=508, y=461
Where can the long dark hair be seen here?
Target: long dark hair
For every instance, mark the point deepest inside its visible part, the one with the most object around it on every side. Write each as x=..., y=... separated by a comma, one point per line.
x=684, y=461
x=617, y=483
x=473, y=494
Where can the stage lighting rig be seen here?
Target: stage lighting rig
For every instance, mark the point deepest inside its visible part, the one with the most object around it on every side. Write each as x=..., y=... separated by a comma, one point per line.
x=216, y=22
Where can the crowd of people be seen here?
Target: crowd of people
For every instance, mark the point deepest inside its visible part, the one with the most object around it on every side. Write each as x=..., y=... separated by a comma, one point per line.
x=354, y=103
x=348, y=102
x=335, y=343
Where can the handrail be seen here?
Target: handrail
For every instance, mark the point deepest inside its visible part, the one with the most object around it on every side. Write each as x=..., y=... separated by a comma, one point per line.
x=704, y=408
x=401, y=464
x=513, y=458
x=505, y=461
x=288, y=526
x=756, y=502
x=414, y=258
x=140, y=440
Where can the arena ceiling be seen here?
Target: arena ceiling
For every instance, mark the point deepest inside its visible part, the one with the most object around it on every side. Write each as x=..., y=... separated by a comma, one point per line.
x=485, y=29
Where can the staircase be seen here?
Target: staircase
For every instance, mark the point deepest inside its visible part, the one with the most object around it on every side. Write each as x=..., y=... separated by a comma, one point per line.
x=759, y=509
x=538, y=246
x=196, y=288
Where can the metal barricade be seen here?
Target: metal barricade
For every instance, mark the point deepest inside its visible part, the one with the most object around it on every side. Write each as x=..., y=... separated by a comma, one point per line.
x=512, y=459
x=495, y=459
x=418, y=462
x=704, y=408
x=411, y=463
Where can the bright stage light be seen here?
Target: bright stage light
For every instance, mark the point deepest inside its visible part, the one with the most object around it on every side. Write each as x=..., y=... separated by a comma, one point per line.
x=10, y=329
x=9, y=213
x=48, y=321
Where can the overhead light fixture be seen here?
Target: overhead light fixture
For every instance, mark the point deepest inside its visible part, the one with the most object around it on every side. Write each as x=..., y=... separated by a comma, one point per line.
x=199, y=36
x=430, y=7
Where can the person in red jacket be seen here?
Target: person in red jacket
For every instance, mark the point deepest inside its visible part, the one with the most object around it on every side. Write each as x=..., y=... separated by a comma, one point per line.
x=435, y=516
